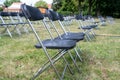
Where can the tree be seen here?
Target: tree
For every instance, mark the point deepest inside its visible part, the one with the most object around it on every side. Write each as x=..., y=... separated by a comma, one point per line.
x=9, y=2
x=92, y=7
x=107, y=7
x=90, y=2
x=66, y=6
x=56, y=4
x=80, y=5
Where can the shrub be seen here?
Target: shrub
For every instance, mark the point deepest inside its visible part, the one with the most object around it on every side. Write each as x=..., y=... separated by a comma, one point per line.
x=41, y=3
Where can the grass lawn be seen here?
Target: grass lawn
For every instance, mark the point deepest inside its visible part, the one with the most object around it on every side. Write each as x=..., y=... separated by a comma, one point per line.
x=19, y=59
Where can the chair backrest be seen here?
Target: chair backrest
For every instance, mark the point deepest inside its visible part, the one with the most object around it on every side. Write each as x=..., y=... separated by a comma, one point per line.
x=29, y=13
x=53, y=15
x=61, y=18
x=79, y=17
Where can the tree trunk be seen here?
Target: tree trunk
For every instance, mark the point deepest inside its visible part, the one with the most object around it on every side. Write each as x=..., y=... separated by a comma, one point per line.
x=97, y=8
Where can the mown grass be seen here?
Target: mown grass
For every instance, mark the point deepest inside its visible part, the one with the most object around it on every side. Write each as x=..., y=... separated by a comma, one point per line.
x=19, y=59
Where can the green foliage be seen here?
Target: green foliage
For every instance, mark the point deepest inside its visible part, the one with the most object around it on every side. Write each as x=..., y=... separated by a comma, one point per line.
x=93, y=7
x=65, y=6
x=9, y=2
x=41, y=3
x=65, y=12
x=56, y=4
x=1, y=9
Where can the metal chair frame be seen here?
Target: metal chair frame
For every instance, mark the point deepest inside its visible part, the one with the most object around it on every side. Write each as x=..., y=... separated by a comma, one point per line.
x=70, y=34
x=62, y=51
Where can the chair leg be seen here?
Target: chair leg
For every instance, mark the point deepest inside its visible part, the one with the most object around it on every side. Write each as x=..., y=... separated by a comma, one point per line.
x=78, y=49
x=67, y=65
x=51, y=63
x=87, y=36
x=93, y=34
x=18, y=31
x=77, y=54
x=74, y=62
x=9, y=32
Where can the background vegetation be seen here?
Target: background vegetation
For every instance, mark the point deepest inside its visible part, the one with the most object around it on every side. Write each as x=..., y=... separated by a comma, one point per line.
x=41, y=3
x=91, y=7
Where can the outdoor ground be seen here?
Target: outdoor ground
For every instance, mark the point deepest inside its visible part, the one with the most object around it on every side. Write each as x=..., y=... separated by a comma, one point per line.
x=19, y=59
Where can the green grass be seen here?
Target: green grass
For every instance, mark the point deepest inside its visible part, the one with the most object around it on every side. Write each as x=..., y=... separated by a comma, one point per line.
x=19, y=59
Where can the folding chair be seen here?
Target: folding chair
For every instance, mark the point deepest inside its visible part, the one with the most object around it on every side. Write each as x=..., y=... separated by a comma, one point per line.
x=14, y=21
x=87, y=29
x=9, y=20
x=67, y=35
x=67, y=21
x=5, y=25
x=102, y=20
x=110, y=19
x=91, y=22
x=16, y=17
x=33, y=14
x=53, y=16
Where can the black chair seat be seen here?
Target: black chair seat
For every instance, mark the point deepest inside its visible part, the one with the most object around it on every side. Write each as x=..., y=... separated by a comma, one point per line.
x=93, y=26
x=89, y=27
x=4, y=14
x=72, y=36
x=86, y=27
x=76, y=34
x=57, y=44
